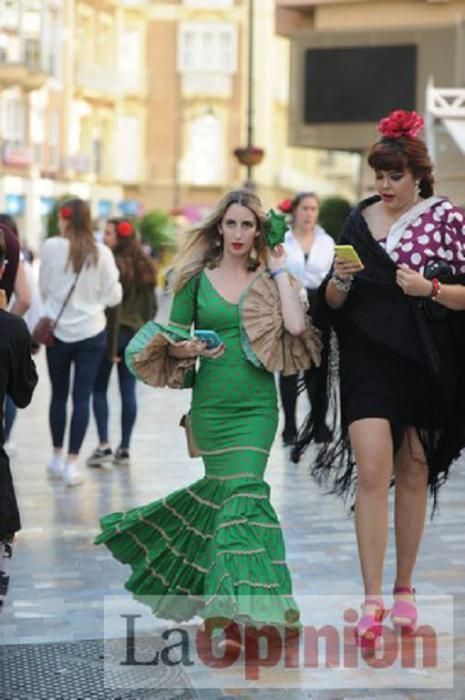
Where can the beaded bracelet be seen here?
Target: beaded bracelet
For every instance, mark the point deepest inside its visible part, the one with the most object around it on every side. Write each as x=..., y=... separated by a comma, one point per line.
x=436, y=288
x=277, y=272
x=342, y=285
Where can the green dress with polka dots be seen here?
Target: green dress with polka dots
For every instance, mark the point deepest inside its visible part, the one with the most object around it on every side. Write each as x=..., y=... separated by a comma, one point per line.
x=215, y=547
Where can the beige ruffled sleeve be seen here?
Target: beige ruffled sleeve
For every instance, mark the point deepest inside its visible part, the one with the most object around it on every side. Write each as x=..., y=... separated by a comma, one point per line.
x=147, y=356
x=265, y=341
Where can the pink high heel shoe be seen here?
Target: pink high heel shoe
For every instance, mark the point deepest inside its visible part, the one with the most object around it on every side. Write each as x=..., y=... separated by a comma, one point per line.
x=370, y=625
x=404, y=613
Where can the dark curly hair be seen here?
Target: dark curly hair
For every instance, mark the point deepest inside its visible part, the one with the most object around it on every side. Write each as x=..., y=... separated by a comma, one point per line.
x=404, y=153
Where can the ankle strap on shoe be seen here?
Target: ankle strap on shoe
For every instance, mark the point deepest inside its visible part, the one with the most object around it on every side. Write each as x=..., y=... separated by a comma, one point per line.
x=404, y=589
x=373, y=600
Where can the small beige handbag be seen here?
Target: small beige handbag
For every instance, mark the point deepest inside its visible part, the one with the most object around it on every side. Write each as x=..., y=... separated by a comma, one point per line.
x=192, y=448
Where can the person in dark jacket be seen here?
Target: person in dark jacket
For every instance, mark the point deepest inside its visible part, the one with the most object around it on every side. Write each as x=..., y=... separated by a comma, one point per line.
x=138, y=306
x=18, y=378
x=14, y=278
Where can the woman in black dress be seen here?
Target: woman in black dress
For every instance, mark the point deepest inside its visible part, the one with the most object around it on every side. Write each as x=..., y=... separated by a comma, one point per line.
x=393, y=378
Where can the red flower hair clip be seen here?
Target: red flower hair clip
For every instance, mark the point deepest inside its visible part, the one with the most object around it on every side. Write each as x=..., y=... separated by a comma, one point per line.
x=66, y=212
x=285, y=206
x=124, y=229
x=401, y=123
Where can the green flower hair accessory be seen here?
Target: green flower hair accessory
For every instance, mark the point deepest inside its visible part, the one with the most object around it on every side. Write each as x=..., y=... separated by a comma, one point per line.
x=276, y=229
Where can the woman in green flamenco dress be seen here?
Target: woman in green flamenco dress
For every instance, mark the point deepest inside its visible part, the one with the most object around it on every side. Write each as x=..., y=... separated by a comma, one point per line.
x=216, y=546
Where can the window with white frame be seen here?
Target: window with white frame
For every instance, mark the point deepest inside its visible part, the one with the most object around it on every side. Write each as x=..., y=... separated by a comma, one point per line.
x=129, y=162
x=14, y=119
x=51, y=41
x=9, y=14
x=54, y=140
x=204, y=161
x=131, y=65
x=10, y=48
x=37, y=125
x=207, y=47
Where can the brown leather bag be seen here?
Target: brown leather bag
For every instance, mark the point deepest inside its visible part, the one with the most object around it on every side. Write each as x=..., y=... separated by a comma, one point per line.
x=43, y=333
x=192, y=447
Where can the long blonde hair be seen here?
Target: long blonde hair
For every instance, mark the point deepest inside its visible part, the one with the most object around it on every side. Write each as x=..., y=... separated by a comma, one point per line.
x=203, y=246
x=82, y=245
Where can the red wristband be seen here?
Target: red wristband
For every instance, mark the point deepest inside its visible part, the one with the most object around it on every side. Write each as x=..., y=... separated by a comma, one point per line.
x=436, y=288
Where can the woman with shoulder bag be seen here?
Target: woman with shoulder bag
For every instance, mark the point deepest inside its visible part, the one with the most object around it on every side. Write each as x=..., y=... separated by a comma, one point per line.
x=78, y=279
x=218, y=543
x=401, y=392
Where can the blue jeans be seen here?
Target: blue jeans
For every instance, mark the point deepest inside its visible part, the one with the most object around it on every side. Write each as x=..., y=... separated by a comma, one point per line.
x=85, y=356
x=9, y=416
x=127, y=389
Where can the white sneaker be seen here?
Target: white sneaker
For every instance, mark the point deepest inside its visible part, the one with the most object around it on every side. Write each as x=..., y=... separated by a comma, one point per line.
x=10, y=448
x=72, y=475
x=55, y=467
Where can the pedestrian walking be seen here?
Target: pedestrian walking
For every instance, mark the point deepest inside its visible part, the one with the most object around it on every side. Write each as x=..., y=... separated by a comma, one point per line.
x=398, y=317
x=14, y=277
x=18, y=378
x=31, y=317
x=78, y=279
x=221, y=536
x=310, y=253
x=138, y=279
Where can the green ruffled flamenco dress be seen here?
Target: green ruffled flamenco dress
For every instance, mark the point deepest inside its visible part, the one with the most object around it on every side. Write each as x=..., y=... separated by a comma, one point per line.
x=216, y=546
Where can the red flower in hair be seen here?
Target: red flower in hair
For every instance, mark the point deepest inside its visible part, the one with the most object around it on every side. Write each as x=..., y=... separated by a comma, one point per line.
x=66, y=212
x=124, y=229
x=401, y=123
x=285, y=206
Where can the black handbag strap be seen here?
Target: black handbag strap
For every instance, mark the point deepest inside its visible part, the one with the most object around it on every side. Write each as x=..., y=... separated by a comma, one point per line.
x=68, y=296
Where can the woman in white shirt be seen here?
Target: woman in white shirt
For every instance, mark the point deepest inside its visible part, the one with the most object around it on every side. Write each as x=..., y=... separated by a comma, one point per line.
x=310, y=253
x=75, y=257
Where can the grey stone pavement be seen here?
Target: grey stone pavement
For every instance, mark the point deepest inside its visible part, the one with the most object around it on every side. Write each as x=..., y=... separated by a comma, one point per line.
x=59, y=578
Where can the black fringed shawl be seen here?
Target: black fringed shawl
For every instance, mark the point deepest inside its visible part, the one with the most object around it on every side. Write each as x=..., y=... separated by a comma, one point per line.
x=378, y=309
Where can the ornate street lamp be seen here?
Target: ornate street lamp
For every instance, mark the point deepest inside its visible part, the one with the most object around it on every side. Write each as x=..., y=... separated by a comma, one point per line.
x=250, y=155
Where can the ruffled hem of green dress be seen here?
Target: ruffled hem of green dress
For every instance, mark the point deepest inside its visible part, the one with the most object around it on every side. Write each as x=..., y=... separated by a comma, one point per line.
x=212, y=549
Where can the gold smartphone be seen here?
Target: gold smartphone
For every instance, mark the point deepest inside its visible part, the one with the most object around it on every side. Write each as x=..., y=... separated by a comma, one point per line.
x=347, y=252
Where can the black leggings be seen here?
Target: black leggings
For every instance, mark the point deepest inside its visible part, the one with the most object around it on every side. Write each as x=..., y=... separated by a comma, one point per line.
x=288, y=392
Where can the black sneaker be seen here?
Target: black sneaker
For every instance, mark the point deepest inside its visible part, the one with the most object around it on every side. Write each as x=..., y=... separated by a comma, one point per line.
x=101, y=457
x=121, y=456
x=288, y=439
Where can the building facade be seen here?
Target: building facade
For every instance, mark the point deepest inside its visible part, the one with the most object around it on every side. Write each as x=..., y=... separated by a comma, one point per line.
x=403, y=47
x=73, y=105
x=136, y=104
x=198, y=58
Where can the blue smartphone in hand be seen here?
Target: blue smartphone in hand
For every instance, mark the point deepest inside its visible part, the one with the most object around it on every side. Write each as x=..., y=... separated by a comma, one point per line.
x=211, y=338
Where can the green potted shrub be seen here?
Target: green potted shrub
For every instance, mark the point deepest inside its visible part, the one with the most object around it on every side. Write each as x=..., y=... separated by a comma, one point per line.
x=333, y=212
x=158, y=231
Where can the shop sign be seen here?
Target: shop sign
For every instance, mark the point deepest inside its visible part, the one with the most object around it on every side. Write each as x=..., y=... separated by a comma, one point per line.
x=104, y=208
x=15, y=204
x=130, y=207
x=16, y=155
